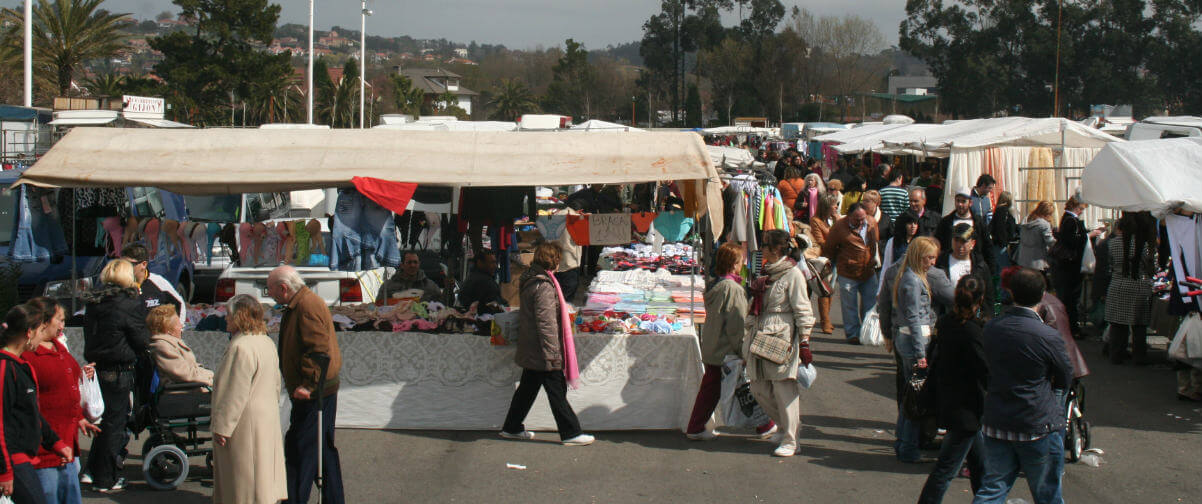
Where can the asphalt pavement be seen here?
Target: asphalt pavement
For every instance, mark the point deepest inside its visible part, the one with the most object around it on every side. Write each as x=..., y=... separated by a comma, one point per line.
x=1153, y=452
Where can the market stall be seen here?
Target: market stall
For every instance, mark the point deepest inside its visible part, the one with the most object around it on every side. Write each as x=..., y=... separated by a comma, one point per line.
x=634, y=379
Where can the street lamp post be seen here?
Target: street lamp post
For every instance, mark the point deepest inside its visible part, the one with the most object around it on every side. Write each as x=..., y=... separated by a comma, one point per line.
x=309, y=79
x=28, y=53
x=362, y=57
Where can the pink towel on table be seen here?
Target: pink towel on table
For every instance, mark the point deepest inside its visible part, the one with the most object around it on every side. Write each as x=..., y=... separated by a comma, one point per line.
x=571, y=371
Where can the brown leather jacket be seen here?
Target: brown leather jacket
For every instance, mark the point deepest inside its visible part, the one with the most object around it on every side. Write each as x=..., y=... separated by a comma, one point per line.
x=819, y=230
x=305, y=328
x=854, y=257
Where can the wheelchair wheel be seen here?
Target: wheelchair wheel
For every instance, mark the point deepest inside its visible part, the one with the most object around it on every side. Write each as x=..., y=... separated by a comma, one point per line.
x=151, y=442
x=209, y=461
x=165, y=467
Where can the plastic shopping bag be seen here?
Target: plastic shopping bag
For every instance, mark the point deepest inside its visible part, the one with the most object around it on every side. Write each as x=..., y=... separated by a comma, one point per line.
x=806, y=374
x=738, y=407
x=1187, y=343
x=870, y=329
x=90, y=398
x=1088, y=261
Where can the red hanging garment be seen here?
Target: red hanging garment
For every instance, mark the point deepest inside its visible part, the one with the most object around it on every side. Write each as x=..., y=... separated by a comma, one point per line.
x=578, y=228
x=394, y=196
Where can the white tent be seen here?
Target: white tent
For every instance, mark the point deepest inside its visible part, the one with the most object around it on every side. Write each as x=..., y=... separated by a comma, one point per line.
x=230, y=161
x=597, y=126
x=1002, y=131
x=740, y=130
x=872, y=141
x=730, y=157
x=898, y=119
x=439, y=125
x=848, y=135
x=1151, y=175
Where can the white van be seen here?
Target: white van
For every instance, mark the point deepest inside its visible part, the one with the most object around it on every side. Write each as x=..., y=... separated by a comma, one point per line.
x=1152, y=128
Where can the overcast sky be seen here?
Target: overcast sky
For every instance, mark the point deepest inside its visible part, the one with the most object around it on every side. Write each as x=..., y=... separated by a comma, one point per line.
x=518, y=24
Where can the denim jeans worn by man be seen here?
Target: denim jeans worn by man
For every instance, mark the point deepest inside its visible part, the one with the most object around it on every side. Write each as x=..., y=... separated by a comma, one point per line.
x=852, y=246
x=1024, y=414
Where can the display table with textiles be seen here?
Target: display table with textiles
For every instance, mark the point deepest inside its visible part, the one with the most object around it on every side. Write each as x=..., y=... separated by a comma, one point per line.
x=461, y=382
x=640, y=293
x=677, y=258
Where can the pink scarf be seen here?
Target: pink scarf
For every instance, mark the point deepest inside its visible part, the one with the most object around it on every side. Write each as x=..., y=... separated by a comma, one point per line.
x=812, y=198
x=571, y=371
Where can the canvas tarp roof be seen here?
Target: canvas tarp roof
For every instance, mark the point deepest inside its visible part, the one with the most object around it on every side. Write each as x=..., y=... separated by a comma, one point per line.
x=847, y=135
x=872, y=141
x=730, y=157
x=230, y=161
x=999, y=132
x=1151, y=175
x=594, y=125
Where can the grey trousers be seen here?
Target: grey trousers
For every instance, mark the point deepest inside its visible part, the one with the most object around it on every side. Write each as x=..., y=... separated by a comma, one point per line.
x=781, y=400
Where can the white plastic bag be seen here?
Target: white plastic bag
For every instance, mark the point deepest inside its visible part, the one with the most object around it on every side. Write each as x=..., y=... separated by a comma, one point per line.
x=806, y=374
x=1088, y=261
x=870, y=329
x=738, y=407
x=90, y=398
x=1187, y=343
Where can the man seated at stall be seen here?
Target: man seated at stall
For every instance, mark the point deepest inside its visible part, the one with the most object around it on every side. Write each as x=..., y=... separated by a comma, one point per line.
x=409, y=277
x=481, y=284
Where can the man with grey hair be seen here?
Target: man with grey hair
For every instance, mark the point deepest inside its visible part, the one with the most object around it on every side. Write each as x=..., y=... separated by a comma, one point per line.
x=928, y=222
x=307, y=328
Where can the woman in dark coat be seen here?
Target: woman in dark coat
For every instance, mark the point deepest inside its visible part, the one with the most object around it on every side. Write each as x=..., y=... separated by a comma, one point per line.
x=1129, y=295
x=959, y=376
x=546, y=360
x=115, y=334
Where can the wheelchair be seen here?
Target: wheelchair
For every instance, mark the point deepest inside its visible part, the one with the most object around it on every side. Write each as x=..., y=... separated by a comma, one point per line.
x=173, y=415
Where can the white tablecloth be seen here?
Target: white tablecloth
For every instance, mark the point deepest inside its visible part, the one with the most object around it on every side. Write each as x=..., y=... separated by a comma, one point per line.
x=460, y=381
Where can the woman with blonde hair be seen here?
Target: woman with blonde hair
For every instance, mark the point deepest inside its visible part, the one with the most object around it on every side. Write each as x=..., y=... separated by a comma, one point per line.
x=913, y=317
x=248, y=451
x=172, y=357
x=1035, y=237
x=115, y=334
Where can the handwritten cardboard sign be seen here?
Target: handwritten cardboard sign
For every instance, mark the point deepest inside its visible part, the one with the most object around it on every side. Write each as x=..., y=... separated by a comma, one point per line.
x=609, y=229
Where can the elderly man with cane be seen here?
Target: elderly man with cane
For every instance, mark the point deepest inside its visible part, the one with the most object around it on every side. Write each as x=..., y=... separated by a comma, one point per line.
x=310, y=361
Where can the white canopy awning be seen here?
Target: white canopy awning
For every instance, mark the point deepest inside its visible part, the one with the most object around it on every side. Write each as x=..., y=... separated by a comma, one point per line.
x=847, y=135
x=230, y=161
x=594, y=126
x=998, y=132
x=159, y=123
x=872, y=142
x=738, y=130
x=1146, y=175
x=730, y=157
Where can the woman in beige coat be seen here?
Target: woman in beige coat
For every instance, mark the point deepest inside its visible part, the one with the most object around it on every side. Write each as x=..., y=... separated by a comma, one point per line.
x=172, y=357
x=248, y=456
x=781, y=306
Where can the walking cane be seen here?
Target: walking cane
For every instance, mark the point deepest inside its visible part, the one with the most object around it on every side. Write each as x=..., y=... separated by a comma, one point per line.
x=323, y=361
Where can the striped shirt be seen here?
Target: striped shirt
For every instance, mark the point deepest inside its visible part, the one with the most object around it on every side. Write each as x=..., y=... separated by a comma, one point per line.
x=894, y=201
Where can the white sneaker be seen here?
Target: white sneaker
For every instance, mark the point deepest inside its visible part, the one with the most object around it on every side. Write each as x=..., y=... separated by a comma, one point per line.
x=770, y=433
x=784, y=451
x=85, y=479
x=521, y=436
x=706, y=435
x=581, y=440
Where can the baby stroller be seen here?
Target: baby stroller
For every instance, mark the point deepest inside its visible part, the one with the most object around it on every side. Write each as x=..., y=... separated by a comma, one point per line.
x=173, y=414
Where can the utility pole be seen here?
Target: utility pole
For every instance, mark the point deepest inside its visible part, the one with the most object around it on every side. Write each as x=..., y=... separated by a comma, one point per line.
x=28, y=53
x=1056, y=83
x=309, y=79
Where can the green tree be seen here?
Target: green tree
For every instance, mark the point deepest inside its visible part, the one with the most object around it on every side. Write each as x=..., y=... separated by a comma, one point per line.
x=510, y=99
x=569, y=91
x=1175, y=56
x=341, y=97
x=725, y=66
x=681, y=28
x=107, y=84
x=407, y=97
x=66, y=34
x=221, y=54
x=446, y=100
x=692, y=108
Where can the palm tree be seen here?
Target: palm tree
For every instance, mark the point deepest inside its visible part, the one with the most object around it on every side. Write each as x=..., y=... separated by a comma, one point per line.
x=511, y=99
x=67, y=33
x=107, y=84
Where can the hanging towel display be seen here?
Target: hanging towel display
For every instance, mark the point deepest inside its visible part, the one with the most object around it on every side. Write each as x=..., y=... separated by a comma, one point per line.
x=674, y=226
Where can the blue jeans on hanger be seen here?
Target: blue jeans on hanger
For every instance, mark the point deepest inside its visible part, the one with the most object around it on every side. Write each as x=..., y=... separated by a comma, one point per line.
x=363, y=235
x=37, y=235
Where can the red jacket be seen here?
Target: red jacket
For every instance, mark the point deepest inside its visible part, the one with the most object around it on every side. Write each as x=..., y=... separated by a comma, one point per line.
x=58, y=397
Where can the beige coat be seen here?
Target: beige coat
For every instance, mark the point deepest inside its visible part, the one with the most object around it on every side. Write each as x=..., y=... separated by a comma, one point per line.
x=786, y=304
x=246, y=398
x=176, y=362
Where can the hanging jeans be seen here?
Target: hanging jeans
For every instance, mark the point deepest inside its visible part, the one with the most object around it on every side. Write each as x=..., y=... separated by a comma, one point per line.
x=363, y=234
x=37, y=235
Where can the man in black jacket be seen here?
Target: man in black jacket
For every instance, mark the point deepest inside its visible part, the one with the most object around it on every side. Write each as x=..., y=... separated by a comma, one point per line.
x=964, y=259
x=963, y=214
x=1024, y=416
x=928, y=221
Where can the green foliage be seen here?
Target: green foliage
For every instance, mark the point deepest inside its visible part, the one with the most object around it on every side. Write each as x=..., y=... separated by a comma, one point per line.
x=66, y=33
x=570, y=90
x=407, y=97
x=1001, y=56
x=680, y=29
x=692, y=108
x=220, y=62
x=510, y=99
